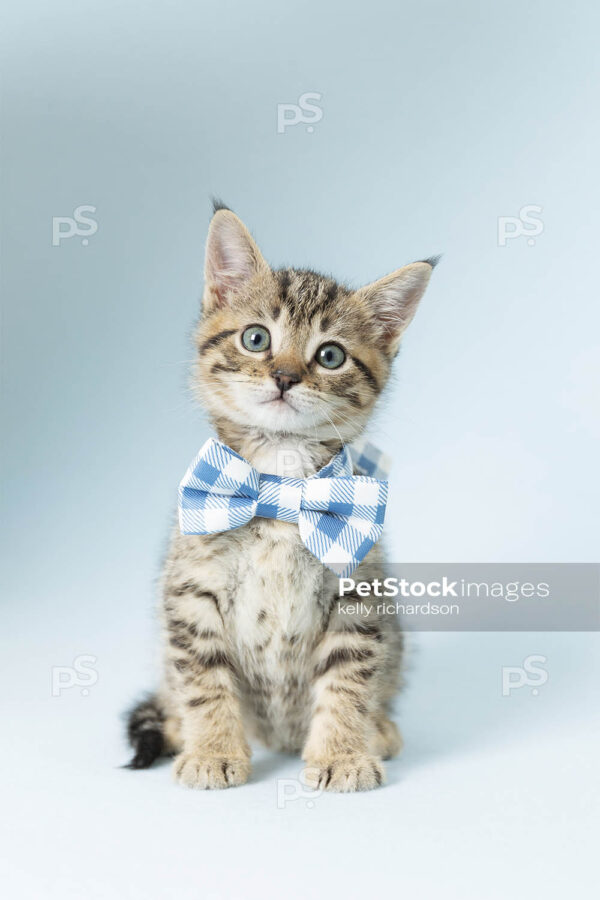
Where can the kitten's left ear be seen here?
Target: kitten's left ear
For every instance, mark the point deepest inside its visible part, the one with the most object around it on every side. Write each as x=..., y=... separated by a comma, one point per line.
x=393, y=300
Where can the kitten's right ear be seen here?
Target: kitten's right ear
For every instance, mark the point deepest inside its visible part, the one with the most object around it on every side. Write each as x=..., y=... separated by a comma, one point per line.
x=232, y=259
x=394, y=299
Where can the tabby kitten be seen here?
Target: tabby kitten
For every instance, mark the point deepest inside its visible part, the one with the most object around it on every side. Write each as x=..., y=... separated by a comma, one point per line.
x=289, y=366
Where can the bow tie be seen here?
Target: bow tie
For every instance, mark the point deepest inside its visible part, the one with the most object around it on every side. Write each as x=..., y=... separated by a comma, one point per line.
x=339, y=515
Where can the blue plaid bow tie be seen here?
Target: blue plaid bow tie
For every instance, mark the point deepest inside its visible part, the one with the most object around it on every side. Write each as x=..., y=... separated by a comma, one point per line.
x=339, y=515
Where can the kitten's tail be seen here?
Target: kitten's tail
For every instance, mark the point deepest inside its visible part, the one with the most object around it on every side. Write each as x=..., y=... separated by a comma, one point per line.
x=145, y=732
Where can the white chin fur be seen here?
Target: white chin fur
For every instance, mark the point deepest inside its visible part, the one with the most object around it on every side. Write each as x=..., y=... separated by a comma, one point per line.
x=275, y=416
x=304, y=416
x=265, y=409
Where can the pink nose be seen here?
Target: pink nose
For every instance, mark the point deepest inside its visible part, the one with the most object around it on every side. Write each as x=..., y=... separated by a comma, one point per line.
x=285, y=380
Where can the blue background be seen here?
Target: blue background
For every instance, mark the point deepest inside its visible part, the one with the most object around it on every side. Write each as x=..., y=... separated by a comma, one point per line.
x=438, y=118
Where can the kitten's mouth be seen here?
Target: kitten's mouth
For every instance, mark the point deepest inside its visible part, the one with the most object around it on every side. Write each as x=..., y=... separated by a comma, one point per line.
x=279, y=402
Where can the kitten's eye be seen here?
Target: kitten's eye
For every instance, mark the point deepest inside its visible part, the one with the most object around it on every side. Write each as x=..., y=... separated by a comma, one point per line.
x=331, y=356
x=256, y=338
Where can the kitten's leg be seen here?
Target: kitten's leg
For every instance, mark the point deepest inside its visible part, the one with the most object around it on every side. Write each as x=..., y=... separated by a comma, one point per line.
x=387, y=740
x=215, y=753
x=338, y=751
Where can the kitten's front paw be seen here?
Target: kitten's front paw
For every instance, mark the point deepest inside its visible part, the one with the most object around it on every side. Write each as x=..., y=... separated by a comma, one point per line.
x=347, y=773
x=210, y=772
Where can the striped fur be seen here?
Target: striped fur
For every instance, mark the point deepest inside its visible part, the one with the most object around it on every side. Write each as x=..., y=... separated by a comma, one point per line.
x=254, y=644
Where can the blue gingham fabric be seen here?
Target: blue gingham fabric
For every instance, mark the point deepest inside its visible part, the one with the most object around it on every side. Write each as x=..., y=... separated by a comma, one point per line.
x=368, y=459
x=339, y=515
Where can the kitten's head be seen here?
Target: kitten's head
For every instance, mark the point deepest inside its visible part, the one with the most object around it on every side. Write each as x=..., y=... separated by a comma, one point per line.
x=291, y=351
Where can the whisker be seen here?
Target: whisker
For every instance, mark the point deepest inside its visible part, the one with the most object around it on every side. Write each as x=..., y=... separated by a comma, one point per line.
x=179, y=362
